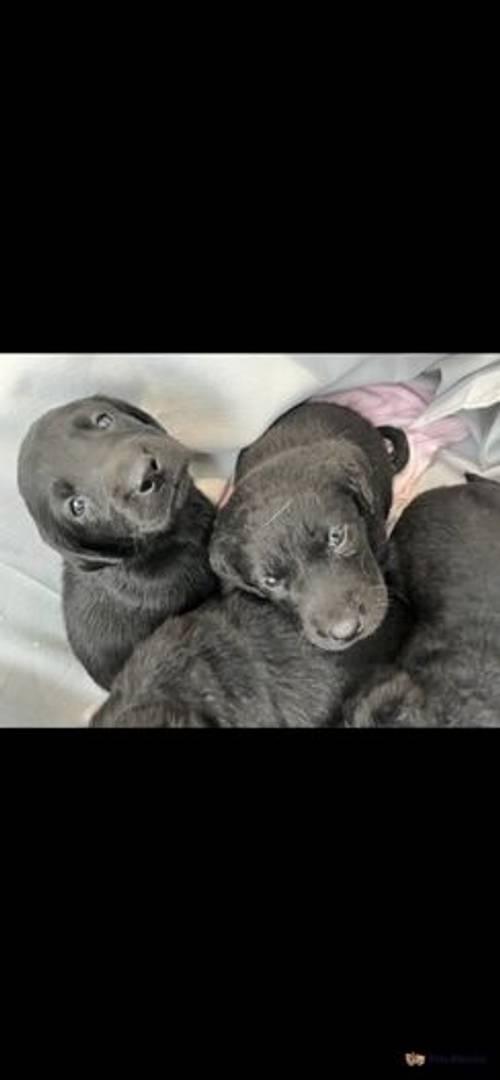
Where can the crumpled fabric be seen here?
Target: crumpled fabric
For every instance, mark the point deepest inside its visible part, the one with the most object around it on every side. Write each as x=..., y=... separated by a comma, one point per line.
x=401, y=405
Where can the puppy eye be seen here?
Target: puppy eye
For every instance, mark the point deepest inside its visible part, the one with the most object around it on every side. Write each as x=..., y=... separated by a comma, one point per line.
x=337, y=535
x=103, y=420
x=77, y=505
x=271, y=581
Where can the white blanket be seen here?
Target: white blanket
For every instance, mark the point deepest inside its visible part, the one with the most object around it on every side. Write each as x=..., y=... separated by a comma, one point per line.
x=216, y=405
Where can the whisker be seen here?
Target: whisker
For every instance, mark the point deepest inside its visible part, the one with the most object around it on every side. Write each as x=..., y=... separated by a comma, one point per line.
x=278, y=512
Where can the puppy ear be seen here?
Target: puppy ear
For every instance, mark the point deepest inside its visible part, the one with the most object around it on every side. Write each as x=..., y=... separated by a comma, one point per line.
x=89, y=560
x=94, y=564
x=226, y=555
x=223, y=558
x=398, y=447
x=73, y=551
x=357, y=484
x=86, y=557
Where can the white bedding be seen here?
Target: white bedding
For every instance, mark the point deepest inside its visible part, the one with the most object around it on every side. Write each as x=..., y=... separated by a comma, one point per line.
x=215, y=404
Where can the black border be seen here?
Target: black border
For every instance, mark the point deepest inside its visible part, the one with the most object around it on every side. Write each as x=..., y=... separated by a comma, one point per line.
x=350, y=839
x=240, y=293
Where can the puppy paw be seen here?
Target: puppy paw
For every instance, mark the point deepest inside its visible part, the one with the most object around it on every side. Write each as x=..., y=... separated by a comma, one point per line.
x=396, y=702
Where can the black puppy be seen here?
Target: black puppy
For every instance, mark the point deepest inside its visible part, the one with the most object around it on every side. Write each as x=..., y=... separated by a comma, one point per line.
x=305, y=525
x=447, y=546
x=238, y=661
x=109, y=489
x=241, y=661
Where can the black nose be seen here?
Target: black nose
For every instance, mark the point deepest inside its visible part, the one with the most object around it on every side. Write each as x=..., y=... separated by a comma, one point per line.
x=345, y=629
x=150, y=476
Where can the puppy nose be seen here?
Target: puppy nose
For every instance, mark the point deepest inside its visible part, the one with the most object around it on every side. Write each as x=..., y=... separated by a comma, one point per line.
x=345, y=629
x=147, y=476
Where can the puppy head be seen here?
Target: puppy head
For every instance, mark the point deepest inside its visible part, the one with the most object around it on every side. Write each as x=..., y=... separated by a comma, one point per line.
x=100, y=477
x=310, y=541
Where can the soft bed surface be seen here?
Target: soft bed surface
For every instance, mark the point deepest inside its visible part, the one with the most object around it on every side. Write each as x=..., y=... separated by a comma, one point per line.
x=216, y=405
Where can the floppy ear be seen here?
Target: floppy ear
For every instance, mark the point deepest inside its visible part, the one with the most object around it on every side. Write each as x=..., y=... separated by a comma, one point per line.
x=223, y=557
x=86, y=558
x=90, y=562
x=398, y=447
x=226, y=557
x=357, y=484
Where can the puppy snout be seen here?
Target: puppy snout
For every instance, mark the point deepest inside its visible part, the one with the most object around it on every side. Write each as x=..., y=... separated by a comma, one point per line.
x=150, y=477
x=145, y=474
x=344, y=629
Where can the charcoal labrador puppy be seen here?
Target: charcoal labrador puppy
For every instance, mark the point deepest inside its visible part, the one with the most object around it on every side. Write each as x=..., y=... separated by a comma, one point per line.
x=109, y=489
x=445, y=550
x=305, y=524
x=238, y=661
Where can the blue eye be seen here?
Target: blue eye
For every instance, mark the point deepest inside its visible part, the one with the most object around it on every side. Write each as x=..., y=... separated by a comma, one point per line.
x=104, y=420
x=77, y=505
x=336, y=536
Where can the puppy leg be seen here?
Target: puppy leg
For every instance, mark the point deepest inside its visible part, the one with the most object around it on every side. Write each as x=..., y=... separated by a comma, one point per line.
x=397, y=701
x=159, y=715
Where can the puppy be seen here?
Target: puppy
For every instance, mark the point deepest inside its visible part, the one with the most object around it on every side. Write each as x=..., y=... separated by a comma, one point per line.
x=305, y=524
x=109, y=489
x=238, y=661
x=447, y=550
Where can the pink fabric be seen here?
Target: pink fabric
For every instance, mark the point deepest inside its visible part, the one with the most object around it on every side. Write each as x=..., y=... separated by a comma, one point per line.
x=398, y=404
x=401, y=404
x=226, y=493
